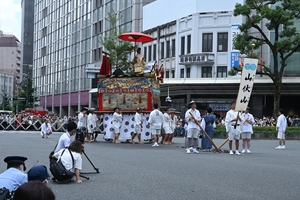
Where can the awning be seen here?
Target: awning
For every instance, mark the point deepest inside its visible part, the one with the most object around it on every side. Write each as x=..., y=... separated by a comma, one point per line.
x=225, y=86
x=93, y=90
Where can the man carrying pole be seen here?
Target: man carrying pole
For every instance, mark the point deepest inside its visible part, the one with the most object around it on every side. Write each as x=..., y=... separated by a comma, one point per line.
x=192, y=117
x=232, y=124
x=233, y=118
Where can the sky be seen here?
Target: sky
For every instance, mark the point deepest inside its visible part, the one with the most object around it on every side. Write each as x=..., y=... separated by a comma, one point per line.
x=10, y=17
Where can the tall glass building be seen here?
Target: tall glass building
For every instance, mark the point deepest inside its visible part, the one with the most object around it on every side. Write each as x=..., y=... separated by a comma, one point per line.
x=66, y=39
x=27, y=39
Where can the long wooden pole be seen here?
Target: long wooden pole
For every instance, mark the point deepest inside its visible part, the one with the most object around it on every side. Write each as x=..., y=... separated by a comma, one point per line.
x=219, y=148
x=209, y=139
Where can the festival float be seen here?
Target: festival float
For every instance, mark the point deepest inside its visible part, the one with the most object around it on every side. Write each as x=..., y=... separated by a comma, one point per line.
x=129, y=92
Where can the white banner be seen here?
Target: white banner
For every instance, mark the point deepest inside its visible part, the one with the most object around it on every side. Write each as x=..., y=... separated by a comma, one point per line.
x=127, y=127
x=234, y=32
x=246, y=85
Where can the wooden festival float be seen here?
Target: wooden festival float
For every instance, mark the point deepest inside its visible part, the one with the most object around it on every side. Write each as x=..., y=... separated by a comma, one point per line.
x=129, y=92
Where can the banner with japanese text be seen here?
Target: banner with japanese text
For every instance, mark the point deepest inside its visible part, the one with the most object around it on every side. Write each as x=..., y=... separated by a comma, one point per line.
x=246, y=84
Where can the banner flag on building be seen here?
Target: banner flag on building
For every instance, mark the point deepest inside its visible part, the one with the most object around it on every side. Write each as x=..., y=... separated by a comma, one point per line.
x=246, y=84
x=105, y=66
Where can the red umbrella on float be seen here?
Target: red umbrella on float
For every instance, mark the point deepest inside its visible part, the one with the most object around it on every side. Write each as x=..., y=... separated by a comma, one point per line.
x=136, y=37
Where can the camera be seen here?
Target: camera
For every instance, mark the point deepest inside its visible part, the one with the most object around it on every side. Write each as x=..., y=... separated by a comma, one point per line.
x=80, y=134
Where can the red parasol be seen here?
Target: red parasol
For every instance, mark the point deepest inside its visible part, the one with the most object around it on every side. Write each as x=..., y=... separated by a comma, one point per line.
x=135, y=37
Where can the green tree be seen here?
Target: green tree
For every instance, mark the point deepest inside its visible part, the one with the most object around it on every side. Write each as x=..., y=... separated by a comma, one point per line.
x=277, y=16
x=119, y=51
x=5, y=104
x=27, y=93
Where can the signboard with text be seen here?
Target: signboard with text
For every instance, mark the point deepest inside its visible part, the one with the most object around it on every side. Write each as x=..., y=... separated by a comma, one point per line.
x=234, y=59
x=235, y=54
x=246, y=84
x=234, y=32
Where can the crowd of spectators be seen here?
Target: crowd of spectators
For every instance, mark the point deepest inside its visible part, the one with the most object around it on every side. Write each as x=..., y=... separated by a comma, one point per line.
x=25, y=121
x=270, y=121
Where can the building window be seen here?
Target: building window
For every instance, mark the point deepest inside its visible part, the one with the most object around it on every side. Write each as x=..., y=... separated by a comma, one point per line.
x=173, y=73
x=182, y=45
x=222, y=42
x=207, y=42
x=98, y=28
x=145, y=53
x=44, y=32
x=173, y=48
x=97, y=54
x=206, y=72
x=181, y=73
x=149, y=53
x=98, y=3
x=168, y=49
x=154, y=52
x=44, y=12
x=43, y=51
x=43, y=71
x=222, y=72
x=168, y=74
x=188, y=44
x=188, y=72
x=162, y=50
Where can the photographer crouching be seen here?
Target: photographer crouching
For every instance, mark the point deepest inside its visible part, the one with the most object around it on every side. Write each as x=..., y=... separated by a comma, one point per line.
x=71, y=160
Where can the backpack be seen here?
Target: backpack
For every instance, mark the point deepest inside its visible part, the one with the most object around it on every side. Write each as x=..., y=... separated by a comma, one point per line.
x=59, y=171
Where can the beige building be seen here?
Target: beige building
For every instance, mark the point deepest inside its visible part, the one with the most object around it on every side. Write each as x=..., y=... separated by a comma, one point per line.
x=10, y=57
x=6, y=85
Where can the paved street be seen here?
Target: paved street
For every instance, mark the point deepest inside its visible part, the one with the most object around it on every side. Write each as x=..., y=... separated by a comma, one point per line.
x=136, y=172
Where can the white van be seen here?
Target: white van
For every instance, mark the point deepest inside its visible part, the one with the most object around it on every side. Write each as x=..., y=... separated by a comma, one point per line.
x=6, y=112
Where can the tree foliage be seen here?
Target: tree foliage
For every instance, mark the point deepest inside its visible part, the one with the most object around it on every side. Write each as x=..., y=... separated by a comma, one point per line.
x=27, y=92
x=119, y=51
x=277, y=16
x=5, y=104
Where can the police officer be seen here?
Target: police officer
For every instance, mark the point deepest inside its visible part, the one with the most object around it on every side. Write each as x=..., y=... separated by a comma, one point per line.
x=14, y=176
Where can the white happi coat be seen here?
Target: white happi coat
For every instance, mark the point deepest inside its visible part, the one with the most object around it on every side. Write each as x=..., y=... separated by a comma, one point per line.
x=91, y=123
x=82, y=120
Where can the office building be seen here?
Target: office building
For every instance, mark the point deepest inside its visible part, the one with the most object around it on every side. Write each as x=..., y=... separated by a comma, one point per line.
x=7, y=85
x=67, y=38
x=27, y=28
x=10, y=58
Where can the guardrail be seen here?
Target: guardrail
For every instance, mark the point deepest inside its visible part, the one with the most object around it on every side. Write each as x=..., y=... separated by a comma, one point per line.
x=34, y=125
x=56, y=125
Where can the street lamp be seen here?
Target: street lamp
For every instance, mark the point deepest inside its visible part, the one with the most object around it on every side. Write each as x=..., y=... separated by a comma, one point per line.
x=168, y=98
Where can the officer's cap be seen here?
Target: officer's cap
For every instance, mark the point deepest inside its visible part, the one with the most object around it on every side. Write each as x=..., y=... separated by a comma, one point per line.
x=15, y=160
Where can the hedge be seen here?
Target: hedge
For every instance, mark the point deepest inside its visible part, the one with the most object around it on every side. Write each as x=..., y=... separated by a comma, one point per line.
x=263, y=132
